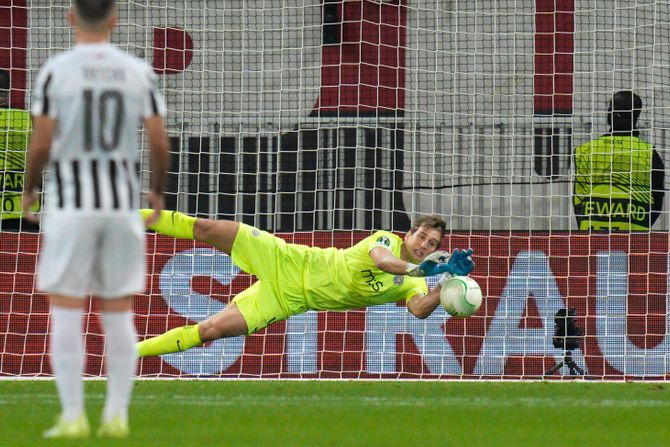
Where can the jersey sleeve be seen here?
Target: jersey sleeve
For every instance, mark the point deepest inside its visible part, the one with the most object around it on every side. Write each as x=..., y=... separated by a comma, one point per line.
x=383, y=239
x=42, y=101
x=418, y=287
x=154, y=104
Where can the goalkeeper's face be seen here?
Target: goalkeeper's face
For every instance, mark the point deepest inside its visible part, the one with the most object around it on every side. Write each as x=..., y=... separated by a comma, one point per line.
x=422, y=242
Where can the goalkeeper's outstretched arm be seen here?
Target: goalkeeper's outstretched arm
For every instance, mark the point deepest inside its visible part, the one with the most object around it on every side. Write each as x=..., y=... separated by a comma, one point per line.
x=387, y=262
x=421, y=306
x=438, y=262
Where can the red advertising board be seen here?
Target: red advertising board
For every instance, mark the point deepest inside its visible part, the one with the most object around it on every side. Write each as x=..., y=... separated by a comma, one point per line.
x=618, y=285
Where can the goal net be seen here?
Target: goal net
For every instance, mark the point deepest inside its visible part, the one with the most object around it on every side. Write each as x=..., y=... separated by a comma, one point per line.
x=321, y=120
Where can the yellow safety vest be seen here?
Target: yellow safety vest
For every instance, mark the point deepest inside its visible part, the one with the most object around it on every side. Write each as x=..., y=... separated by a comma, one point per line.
x=15, y=129
x=612, y=188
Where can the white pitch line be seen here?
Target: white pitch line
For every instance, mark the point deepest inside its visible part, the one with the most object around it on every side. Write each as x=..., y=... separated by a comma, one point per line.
x=379, y=401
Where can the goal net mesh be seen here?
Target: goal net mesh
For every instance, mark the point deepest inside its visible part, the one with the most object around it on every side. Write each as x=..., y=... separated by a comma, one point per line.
x=322, y=120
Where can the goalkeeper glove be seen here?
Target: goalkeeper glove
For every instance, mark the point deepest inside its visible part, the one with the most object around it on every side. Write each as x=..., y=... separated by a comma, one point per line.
x=458, y=263
x=461, y=262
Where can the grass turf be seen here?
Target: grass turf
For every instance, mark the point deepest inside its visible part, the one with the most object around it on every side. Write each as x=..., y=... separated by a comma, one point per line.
x=357, y=413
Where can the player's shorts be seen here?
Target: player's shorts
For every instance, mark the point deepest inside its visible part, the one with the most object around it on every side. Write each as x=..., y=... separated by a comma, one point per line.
x=101, y=254
x=278, y=293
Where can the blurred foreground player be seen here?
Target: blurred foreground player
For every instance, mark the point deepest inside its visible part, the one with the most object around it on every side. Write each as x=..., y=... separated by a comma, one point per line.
x=88, y=103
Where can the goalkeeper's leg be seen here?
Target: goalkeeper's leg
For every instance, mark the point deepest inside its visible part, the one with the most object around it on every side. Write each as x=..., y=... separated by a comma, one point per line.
x=175, y=340
x=227, y=323
x=172, y=223
x=218, y=233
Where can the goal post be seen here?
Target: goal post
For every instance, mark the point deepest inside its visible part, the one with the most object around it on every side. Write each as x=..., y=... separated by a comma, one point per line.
x=322, y=120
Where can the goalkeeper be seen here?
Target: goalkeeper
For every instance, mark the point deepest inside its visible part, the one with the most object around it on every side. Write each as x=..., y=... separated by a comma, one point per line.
x=293, y=279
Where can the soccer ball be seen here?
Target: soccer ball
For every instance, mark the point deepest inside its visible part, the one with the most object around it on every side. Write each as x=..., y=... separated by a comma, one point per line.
x=461, y=296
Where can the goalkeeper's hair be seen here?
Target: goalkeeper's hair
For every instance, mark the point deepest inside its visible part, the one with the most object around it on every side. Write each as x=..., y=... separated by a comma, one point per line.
x=430, y=221
x=94, y=13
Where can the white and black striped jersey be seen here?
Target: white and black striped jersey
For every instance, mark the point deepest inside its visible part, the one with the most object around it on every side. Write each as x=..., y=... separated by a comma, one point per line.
x=98, y=96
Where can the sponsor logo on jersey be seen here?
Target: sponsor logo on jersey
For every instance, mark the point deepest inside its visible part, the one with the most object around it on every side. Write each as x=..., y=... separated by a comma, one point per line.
x=398, y=280
x=371, y=280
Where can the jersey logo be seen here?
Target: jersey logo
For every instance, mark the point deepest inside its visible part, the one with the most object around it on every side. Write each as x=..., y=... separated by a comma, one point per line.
x=384, y=241
x=371, y=280
x=398, y=280
x=255, y=232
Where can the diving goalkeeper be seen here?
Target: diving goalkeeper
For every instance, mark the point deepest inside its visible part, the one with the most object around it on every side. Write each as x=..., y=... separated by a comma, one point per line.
x=293, y=279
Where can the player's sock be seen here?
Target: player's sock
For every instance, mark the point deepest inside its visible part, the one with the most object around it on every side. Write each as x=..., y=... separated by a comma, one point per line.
x=67, y=360
x=172, y=223
x=120, y=339
x=175, y=340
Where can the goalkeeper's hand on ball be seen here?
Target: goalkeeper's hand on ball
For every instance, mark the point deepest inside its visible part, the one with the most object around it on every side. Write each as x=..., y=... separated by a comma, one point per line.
x=458, y=263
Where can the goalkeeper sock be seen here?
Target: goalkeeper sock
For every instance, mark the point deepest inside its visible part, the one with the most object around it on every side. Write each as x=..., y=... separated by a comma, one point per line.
x=171, y=223
x=175, y=340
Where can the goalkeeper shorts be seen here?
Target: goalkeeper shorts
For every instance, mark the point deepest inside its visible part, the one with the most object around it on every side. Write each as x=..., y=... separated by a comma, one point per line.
x=279, y=292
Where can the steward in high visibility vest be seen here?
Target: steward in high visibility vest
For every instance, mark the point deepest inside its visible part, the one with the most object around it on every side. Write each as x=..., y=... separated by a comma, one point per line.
x=15, y=130
x=619, y=178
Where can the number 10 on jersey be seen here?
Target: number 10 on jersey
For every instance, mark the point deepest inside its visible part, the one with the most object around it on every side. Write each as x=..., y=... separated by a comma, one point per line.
x=108, y=110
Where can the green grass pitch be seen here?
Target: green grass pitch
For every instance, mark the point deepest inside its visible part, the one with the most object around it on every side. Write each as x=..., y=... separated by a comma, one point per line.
x=357, y=413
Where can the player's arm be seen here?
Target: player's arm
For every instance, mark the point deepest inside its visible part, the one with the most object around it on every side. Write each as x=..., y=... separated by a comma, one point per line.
x=457, y=263
x=435, y=263
x=657, y=186
x=38, y=157
x=153, y=113
x=421, y=306
x=159, y=157
x=385, y=261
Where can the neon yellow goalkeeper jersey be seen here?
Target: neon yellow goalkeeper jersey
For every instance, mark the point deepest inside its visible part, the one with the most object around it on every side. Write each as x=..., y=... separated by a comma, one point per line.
x=348, y=279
